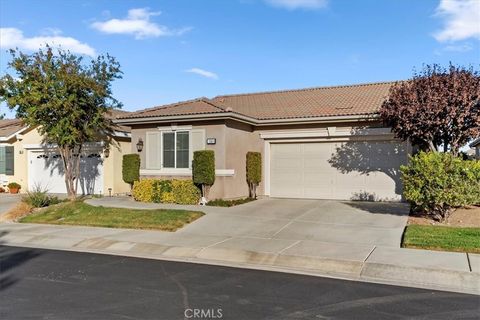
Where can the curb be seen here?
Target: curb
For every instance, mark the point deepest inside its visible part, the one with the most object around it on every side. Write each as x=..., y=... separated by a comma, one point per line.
x=389, y=274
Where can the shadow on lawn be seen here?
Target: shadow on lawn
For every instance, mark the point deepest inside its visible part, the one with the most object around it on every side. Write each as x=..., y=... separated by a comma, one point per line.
x=11, y=258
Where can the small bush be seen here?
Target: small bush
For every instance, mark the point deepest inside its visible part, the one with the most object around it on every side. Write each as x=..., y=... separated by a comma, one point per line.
x=131, y=168
x=166, y=191
x=254, y=172
x=185, y=192
x=228, y=203
x=13, y=185
x=38, y=198
x=435, y=183
x=143, y=190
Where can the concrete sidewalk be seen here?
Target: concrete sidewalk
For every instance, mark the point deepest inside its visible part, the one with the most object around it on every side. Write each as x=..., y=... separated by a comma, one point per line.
x=418, y=268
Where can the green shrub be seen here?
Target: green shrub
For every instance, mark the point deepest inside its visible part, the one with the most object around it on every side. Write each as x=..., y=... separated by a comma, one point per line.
x=228, y=203
x=131, y=168
x=203, y=168
x=143, y=190
x=166, y=191
x=254, y=172
x=38, y=198
x=185, y=192
x=160, y=187
x=435, y=183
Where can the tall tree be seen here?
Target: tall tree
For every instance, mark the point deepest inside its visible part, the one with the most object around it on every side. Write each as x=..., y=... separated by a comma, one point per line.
x=66, y=98
x=437, y=107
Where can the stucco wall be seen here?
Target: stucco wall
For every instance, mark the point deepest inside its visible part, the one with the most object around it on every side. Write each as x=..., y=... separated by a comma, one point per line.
x=234, y=140
x=213, y=129
x=20, y=158
x=112, y=164
x=113, y=168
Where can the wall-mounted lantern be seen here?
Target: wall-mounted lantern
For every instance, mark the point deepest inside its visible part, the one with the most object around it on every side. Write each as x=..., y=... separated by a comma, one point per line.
x=140, y=145
x=106, y=152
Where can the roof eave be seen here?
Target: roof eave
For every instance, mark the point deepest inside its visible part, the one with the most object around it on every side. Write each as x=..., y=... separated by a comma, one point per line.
x=246, y=119
x=13, y=135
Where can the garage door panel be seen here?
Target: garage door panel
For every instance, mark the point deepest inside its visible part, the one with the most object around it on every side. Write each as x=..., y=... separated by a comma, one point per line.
x=46, y=171
x=347, y=170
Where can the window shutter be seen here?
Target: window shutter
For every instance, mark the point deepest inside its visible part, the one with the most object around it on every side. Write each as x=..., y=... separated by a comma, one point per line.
x=153, y=150
x=9, y=164
x=2, y=160
x=198, y=139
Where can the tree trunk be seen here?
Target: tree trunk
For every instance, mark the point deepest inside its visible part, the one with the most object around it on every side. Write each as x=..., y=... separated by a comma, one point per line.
x=71, y=166
x=432, y=146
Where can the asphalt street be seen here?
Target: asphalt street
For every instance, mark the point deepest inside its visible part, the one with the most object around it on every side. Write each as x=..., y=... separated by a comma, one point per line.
x=47, y=284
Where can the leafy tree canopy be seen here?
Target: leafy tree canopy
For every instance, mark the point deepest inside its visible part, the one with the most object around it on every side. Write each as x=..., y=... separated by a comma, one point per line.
x=65, y=97
x=437, y=107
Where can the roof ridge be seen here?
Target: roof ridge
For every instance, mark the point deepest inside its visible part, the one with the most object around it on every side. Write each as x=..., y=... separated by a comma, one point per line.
x=307, y=89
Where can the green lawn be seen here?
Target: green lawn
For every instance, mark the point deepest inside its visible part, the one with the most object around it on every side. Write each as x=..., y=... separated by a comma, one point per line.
x=442, y=238
x=82, y=214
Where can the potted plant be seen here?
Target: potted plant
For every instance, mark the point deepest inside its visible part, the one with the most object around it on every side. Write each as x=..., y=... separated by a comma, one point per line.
x=13, y=187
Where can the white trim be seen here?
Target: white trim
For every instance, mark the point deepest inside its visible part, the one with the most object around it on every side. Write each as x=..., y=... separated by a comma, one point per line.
x=225, y=172
x=90, y=145
x=325, y=132
x=122, y=134
x=266, y=165
x=183, y=172
x=175, y=127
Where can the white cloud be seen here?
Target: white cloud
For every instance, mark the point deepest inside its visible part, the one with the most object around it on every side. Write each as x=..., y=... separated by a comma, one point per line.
x=203, y=73
x=461, y=20
x=11, y=38
x=138, y=24
x=298, y=4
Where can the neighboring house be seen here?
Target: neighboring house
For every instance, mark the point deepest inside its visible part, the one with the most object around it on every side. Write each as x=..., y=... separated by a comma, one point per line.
x=323, y=143
x=25, y=159
x=476, y=146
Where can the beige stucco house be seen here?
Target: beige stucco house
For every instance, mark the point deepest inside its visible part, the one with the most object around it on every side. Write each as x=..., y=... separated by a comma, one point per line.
x=25, y=159
x=322, y=143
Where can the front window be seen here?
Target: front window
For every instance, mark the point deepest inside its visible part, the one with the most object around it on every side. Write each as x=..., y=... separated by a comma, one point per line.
x=176, y=149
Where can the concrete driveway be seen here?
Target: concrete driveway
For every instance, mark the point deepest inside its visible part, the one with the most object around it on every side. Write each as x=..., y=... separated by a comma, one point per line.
x=358, y=223
x=8, y=201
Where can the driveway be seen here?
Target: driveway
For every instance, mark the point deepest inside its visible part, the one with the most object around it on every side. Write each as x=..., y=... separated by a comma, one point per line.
x=8, y=201
x=358, y=223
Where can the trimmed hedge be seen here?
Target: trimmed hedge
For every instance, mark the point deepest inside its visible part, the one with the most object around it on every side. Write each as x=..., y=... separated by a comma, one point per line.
x=435, y=183
x=254, y=172
x=203, y=169
x=131, y=168
x=166, y=191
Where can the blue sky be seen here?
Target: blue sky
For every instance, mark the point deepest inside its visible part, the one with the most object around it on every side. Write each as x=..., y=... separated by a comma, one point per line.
x=182, y=49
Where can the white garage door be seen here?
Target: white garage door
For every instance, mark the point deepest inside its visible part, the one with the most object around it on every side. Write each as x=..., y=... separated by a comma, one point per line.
x=365, y=170
x=45, y=169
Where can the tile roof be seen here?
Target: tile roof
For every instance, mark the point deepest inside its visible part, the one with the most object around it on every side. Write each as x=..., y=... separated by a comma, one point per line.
x=195, y=106
x=359, y=99
x=314, y=102
x=116, y=114
x=10, y=126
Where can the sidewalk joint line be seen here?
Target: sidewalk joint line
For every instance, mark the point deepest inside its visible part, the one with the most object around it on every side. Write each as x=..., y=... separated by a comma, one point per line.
x=290, y=246
x=369, y=254
x=468, y=261
x=214, y=244
x=282, y=228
